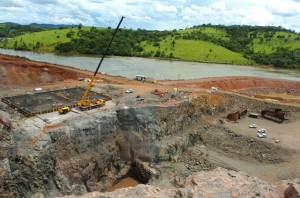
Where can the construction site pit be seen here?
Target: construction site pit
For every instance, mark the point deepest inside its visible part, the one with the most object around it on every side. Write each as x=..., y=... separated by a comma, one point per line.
x=150, y=136
x=100, y=150
x=46, y=102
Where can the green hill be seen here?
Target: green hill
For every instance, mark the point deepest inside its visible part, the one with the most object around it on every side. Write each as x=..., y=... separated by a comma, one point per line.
x=267, y=43
x=10, y=30
x=43, y=41
x=194, y=50
x=262, y=45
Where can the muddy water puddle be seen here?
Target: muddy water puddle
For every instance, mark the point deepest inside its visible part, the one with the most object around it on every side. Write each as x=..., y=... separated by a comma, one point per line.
x=124, y=183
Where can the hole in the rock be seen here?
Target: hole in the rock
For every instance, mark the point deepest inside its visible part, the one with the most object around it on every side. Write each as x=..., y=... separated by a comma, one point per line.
x=137, y=174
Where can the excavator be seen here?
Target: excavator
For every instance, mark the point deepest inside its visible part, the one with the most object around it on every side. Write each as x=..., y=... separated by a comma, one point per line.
x=85, y=103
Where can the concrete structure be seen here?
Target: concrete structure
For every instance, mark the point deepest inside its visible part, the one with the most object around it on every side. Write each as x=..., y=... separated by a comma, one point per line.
x=46, y=102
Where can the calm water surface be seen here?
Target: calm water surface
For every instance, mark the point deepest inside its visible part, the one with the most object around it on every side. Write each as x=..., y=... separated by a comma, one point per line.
x=161, y=69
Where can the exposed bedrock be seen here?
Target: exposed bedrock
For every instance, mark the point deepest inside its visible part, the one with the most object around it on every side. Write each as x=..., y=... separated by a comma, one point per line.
x=92, y=152
x=217, y=183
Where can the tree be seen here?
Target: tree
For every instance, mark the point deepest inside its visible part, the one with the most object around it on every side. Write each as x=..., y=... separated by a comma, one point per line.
x=70, y=34
x=37, y=45
x=156, y=44
x=16, y=45
x=157, y=54
x=173, y=44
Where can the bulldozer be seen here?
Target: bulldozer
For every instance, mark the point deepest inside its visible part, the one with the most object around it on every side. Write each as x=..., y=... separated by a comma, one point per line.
x=64, y=110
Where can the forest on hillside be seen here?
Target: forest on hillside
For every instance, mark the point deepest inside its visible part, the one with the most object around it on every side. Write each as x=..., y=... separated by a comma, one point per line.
x=10, y=30
x=239, y=39
x=263, y=45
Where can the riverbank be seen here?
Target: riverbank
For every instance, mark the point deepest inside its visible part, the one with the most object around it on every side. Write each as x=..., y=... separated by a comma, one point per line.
x=130, y=67
x=73, y=54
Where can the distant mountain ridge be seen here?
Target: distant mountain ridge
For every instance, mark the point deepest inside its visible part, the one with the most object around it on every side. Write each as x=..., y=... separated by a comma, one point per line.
x=52, y=26
x=44, y=25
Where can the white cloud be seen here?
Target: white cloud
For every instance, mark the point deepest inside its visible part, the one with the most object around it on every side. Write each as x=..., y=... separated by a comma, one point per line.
x=219, y=6
x=285, y=9
x=153, y=14
x=165, y=8
x=254, y=12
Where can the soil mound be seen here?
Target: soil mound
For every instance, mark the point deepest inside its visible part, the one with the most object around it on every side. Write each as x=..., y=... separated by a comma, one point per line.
x=231, y=83
x=16, y=71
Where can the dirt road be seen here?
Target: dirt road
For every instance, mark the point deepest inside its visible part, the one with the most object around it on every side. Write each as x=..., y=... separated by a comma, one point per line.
x=20, y=75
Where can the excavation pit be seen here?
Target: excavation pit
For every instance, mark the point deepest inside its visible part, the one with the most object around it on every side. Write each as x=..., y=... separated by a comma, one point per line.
x=46, y=102
x=139, y=173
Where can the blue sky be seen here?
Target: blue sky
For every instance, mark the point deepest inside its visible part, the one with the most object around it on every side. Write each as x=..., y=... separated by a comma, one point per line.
x=153, y=14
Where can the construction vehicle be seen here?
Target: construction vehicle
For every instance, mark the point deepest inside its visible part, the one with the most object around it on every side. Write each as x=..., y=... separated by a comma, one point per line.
x=64, y=110
x=98, y=102
x=237, y=115
x=276, y=115
x=85, y=103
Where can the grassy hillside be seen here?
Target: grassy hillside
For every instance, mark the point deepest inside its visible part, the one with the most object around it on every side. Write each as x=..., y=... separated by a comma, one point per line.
x=279, y=39
x=44, y=41
x=274, y=46
x=10, y=30
x=194, y=50
x=209, y=31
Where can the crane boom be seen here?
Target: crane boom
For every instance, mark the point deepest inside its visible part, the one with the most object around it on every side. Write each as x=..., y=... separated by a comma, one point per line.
x=85, y=101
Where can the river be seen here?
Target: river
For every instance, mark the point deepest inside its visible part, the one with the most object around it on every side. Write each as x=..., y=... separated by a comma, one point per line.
x=161, y=69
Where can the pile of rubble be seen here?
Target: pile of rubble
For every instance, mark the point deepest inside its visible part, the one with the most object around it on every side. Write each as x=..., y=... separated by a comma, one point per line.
x=214, y=184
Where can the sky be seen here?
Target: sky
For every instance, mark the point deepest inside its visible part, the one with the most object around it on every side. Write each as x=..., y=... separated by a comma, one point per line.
x=153, y=14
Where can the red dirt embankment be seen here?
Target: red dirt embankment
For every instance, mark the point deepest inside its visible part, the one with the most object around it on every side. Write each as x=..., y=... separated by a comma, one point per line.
x=20, y=71
x=231, y=83
x=15, y=71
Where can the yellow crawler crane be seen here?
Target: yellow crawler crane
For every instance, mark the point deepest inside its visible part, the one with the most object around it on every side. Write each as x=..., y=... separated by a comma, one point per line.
x=85, y=103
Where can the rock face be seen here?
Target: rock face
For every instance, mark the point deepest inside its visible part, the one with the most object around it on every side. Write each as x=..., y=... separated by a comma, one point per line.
x=91, y=153
x=72, y=158
x=86, y=154
x=223, y=183
x=218, y=183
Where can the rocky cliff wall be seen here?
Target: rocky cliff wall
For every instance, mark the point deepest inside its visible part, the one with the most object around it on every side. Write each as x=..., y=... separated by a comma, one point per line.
x=92, y=152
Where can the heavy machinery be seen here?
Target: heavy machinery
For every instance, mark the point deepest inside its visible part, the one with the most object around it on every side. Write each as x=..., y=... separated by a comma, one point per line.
x=237, y=115
x=276, y=115
x=85, y=103
x=64, y=110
